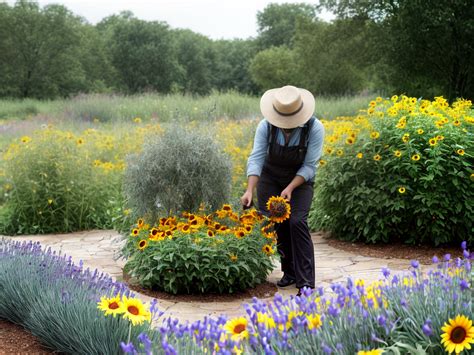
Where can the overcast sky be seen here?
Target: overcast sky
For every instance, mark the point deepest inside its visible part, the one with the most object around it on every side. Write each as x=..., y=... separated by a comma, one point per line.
x=214, y=18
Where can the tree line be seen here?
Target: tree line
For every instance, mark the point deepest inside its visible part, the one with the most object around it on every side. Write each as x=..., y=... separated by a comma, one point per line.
x=421, y=48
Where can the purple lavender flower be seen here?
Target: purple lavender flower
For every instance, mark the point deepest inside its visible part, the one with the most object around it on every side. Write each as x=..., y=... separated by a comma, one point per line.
x=326, y=349
x=382, y=321
x=386, y=272
x=465, y=253
x=128, y=348
x=435, y=259
x=464, y=245
x=427, y=328
x=464, y=285
x=415, y=264
x=447, y=257
x=146, y=342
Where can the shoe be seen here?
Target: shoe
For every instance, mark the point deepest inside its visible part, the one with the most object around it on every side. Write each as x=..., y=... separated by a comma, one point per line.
x=286, y=281
x=301, y=291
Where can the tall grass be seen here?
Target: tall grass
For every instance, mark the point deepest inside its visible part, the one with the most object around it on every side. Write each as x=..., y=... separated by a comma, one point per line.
x=107, y=108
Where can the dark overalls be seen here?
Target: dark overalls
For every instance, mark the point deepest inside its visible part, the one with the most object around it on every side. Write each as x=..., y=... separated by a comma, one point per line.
x=294, y=240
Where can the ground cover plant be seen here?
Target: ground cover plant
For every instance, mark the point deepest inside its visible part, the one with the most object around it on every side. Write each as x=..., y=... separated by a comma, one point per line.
x=410, y=313
x=221, y=252
x=63, y=304
x=401, y=170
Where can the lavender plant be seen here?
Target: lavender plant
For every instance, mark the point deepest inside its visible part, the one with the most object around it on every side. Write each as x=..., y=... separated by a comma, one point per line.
x=56, y=300
x=399, y=314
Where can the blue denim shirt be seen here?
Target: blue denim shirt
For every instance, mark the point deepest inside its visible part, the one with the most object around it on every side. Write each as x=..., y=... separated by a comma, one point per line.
x=313, y=154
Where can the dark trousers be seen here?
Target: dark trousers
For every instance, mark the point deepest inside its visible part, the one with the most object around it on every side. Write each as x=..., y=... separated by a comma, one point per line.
x=294, y=240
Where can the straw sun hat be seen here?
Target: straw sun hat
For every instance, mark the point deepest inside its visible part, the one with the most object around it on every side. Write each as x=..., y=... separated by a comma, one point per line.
x=287, y=107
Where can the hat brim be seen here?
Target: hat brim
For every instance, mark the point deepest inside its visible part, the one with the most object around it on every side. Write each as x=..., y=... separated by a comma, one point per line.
x=281, y=121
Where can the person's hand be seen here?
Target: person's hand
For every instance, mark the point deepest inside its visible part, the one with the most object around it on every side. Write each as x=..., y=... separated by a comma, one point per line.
x=246, y=198
x=286, y=193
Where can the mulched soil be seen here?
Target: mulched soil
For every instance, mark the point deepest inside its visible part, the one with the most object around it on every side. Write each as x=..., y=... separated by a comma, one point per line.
x=396, y=250
x=266, y=289
x=16, y=340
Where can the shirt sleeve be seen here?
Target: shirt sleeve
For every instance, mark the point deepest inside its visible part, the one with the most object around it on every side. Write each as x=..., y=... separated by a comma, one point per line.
x=259, y=151
x=313, y=154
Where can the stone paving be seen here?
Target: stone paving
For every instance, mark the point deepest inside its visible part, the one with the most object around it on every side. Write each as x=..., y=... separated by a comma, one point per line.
x=99, y=249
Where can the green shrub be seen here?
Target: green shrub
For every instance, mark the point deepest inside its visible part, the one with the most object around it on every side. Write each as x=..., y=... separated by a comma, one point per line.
x=177, y=172
x=200, y=254
x=404, y=171
x=52, y=185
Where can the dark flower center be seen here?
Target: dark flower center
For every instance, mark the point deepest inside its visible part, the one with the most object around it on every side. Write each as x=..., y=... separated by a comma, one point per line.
x=239, y=328
x=113, y=305
x=458, y=335
x=133, y=310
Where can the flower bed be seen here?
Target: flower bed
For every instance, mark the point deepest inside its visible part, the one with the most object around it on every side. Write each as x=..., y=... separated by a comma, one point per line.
x=222, y=252
x=407, y=313
x=56, y=300
x=401, y=170
x=79, y=311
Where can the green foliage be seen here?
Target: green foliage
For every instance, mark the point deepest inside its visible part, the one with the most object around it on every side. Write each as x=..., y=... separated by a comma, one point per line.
x=437, y=33
x=419, y=190
x=177, y=172
x=274, y=67
x=39, y=49
x=277, y=23
x=319, y=45
x=194, y=262
x=143, y=54
x=53, y=186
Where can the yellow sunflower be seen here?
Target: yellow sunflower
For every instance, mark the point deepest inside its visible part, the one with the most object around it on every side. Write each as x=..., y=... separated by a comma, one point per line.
x=25, y=139
x=377, y=157
x=374, y=135
x=397, y=153
x=279, y=209
x=210, y=233
x=233, y=257
x=460, y=151
x=186, y=228
x=142, y=244
x=134, y=310
x=370, y=352
x=227, y=208
x=135, y=232
x=239, y=234
x=110, y=305
x=401, y=189
x=420, y=131
x=458, y=334
x=359, y=155
x=433, y=142
x=267, y=249
x=350, y=140
x=415, y=157
x=237, y=327
x=140, y=223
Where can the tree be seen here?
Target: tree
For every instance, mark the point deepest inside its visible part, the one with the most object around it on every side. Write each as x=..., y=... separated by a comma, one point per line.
x=143, y=54
x=196, y=58
x=333, y=58
x=274, y=67
x=277, y=23
x=427, y=44
x=39, y=56
x=232, y=65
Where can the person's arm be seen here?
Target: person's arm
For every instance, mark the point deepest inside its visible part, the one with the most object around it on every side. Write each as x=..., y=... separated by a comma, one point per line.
x=255, y=161
x=308, y=169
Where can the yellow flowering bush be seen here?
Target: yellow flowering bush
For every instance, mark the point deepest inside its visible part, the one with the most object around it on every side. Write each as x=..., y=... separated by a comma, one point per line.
x=401, y=169
x=221, y=252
